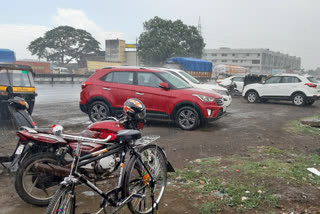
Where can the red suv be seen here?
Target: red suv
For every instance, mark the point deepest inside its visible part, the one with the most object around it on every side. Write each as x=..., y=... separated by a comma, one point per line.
x=164, y=95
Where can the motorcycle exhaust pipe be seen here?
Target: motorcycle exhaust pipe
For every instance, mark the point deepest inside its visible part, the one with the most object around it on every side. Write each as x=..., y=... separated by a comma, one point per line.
x=52, y=169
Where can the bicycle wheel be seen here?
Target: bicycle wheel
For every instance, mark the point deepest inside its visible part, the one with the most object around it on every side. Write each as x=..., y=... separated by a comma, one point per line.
x=137, y=180
x=63, y=201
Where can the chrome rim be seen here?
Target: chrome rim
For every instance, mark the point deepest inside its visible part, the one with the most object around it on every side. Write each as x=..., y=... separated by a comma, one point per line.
x=252, y=97
x=187, y=119
x=298, y=100
x=64, y=204
x=99, y=112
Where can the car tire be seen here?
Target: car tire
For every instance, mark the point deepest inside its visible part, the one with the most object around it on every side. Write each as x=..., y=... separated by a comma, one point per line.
x=299, y=99
x=252, y=97
x=187, y=118
x=98, y=111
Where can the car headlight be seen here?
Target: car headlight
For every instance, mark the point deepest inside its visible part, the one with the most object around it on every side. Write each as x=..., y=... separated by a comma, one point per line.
x=204, y=98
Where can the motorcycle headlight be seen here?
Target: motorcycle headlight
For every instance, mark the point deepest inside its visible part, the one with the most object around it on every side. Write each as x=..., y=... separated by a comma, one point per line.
x=204, y=98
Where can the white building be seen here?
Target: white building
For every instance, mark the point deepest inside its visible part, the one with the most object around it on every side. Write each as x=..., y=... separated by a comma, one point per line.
x=255, y=60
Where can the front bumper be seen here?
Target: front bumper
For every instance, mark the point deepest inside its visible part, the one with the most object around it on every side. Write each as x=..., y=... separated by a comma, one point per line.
x=217, y=117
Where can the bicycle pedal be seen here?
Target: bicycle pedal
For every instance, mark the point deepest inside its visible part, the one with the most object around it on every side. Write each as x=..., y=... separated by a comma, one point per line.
x=135, y=195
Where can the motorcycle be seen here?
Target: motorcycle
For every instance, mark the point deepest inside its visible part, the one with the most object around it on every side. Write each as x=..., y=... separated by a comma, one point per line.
x=232, y=88
x=18, y=109
x=38, y=175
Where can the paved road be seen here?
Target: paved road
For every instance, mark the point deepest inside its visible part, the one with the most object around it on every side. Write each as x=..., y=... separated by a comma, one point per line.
x=244, y=125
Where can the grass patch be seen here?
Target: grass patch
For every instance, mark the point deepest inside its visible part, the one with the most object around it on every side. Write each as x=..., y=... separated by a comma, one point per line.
x=297, y=127
x=245, y=183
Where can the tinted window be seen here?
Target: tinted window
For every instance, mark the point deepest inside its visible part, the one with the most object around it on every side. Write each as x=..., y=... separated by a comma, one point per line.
x=272, y=80
x=290, y=80
x=107, y=78
x=123, y=77
x=148, y=79
x=312, y=79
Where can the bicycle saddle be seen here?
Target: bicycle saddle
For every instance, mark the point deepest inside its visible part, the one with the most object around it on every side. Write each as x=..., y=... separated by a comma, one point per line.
x=128, y=134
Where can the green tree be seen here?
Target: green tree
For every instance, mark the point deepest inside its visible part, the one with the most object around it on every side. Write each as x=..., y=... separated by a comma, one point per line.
x=63, y=45
x=163, y=39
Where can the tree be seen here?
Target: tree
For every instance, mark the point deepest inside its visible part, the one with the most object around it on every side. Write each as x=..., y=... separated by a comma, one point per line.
x=163, y=39
x=64, y=44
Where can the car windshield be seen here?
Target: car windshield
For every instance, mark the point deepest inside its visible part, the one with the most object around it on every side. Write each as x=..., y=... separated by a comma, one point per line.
x=174, y=81
x=189, y=77
x=312, y=79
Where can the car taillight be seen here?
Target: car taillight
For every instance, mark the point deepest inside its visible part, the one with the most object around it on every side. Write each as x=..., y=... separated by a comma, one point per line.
x=218, y=82
x=311, y=85
x=85, y=84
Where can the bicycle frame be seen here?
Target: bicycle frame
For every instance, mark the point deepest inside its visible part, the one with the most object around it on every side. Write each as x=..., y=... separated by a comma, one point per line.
x=75, y=177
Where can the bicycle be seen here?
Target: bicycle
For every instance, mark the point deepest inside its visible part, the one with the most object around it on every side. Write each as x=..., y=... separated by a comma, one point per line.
x=144, y=174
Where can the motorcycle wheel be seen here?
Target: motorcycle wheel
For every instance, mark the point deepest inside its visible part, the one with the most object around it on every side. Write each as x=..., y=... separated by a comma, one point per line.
x=33, y=187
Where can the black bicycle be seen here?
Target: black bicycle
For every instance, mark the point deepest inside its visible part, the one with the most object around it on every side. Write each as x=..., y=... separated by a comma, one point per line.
x=141, y=181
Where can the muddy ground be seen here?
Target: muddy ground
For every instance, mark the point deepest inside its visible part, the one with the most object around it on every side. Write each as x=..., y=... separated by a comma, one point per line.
x=244, y=125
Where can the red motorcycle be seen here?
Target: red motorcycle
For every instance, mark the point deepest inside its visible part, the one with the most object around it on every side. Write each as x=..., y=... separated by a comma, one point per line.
x=39, y=174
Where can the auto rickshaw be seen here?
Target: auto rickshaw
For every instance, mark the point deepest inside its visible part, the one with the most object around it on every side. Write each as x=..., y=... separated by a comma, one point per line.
x=21, y=79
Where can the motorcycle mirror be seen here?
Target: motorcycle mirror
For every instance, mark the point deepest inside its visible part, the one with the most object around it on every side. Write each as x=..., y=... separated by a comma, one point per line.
x=57, y=130
x=10, y=91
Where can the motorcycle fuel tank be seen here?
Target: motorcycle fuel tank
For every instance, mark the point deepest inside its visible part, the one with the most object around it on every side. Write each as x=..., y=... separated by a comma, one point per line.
x=106, y=126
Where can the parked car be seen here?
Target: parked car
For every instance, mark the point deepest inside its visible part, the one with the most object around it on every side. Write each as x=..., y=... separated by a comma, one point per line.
x=197, y=84
x=238, y=80
x=301, y=90
x=164, y=95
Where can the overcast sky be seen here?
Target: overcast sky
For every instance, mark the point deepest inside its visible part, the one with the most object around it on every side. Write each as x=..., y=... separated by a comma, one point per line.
x=289, y=26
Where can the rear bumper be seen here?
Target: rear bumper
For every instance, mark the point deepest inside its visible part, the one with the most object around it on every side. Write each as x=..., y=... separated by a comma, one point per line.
x=83, y=108
x=314, y=97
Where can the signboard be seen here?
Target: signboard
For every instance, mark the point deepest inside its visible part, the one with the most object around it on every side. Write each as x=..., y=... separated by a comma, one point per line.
x=131, y=45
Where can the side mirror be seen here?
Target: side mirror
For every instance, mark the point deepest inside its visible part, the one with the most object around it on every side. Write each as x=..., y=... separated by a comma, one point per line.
x=164, y=85
x=10, y=91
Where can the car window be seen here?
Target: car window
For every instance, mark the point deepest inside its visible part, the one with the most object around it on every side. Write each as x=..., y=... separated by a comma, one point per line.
x=174, y=81
x=148, y=79
x=123, y=77
x=290, y=80
x=312, y=79
x=108, y=77
x=273, y=80
x=4, y=80
x=238, y=79
x=189, y=77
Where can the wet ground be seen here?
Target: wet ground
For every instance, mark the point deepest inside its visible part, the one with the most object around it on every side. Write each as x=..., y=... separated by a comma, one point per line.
x=244, y=125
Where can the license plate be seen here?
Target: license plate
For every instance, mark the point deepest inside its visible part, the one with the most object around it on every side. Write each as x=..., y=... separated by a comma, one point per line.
x=19, y=149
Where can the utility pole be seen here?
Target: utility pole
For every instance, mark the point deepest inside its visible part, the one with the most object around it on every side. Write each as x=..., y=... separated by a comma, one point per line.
x=199, y=26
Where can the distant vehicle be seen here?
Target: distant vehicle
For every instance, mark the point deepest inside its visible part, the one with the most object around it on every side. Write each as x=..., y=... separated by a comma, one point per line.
x=20, y=78
x=224, y=71
x=61, y=70
x=164, y=95
x=238, y=80
x=301, y=90
x=7, y=56
x=198, y=68
x=197, y=84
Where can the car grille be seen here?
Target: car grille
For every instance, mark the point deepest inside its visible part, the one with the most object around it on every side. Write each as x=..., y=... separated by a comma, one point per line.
x=219, y=101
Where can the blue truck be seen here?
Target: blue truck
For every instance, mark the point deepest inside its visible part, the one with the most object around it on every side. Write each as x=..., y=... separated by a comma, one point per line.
x=7, y=56
x=198, y=68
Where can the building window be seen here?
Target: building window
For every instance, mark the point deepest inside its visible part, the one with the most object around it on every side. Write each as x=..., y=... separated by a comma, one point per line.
x=224, y=54
x=241, y=61
x=234, y=60
x=214, y=60
x=233, y=55
x=213, y=54
x=258, y=54
x=248, y=54
x=255, y=61
x=224, y=60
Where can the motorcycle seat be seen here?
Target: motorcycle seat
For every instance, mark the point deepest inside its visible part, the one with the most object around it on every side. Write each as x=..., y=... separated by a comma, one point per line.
x=128, y=134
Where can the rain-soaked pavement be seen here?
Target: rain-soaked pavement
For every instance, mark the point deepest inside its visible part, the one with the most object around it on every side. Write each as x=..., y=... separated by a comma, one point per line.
x=244, y=125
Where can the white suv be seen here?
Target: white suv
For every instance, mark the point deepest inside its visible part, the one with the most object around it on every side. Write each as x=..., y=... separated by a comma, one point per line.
x=195, y=83
x=302, y=90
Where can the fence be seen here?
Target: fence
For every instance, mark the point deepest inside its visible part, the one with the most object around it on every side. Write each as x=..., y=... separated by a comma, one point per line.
x=60, y=78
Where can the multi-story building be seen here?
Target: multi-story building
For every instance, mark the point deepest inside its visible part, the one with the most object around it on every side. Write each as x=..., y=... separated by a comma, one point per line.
x=255, y=60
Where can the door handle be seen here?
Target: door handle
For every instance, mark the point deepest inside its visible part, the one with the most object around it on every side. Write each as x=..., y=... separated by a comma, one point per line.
x=108, y=89
x=139, y=93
